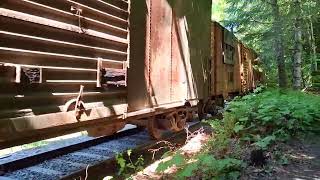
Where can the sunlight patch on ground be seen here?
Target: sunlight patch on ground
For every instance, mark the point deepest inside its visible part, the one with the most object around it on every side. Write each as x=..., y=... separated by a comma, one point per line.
x=301, y=156
x=191, y=148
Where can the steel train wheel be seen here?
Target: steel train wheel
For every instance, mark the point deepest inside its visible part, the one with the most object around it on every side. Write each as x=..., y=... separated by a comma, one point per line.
x=172, y=122
x=190, y=113
x=178, y=120
x=155, y=128
x=183, y=118
x=201, y=113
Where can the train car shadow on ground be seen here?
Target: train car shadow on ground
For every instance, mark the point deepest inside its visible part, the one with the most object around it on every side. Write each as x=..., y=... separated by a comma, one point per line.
x=36, y=148
x=146, y=151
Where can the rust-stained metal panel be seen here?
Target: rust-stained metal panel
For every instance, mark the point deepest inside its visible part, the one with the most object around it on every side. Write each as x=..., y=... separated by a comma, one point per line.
x=180, y=69
x=160, y=52
x=175, y=49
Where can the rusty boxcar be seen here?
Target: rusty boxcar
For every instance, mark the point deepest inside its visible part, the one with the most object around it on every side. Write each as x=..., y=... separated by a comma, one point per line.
x=226, y=62
x=231, y=65
x=248, y=59
x=95, y=65
x=170, y=72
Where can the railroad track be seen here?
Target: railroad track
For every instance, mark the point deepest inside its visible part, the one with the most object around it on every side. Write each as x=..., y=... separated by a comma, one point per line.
x=95, y=156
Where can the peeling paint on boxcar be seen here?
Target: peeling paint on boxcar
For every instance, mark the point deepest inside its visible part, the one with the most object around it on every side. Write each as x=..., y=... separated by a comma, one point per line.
x=177, y=52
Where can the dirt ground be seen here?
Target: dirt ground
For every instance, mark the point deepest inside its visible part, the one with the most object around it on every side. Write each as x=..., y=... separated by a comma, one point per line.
x=298, y=159
x=305, y=161
x=193, y=146
x=302, y=162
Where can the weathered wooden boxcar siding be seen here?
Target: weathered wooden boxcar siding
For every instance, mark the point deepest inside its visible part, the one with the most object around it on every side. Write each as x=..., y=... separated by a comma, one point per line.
x=236, y=69
x=239, y=72
x=220, y=68
x=252, y=58
x=217, y=61
x=63, y=40
x=233, y=69
x=212, y=62
x=258, y=74
x=243, y=68
x=247, y=59
x=224, y=84
x=176, y=55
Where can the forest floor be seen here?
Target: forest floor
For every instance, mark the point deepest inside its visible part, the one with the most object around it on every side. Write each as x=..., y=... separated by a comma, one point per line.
x=269, y=134
x=301, y=161
x=305, y=160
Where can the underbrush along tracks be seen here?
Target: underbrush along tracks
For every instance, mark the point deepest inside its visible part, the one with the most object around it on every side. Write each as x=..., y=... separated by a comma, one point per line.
x=95, y=156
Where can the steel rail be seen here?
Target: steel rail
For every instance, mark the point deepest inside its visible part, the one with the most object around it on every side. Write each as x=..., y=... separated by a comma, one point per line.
x=35, y=159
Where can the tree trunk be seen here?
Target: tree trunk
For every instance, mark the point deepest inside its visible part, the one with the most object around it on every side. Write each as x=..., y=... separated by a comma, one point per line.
x=279, y=47
x=313, y=46
x=297, y=55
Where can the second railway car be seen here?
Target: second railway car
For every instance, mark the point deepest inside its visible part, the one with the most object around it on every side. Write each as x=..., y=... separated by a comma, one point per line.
x=95, y=65
x=226, y=62
x=232, y=62
x=232, y=70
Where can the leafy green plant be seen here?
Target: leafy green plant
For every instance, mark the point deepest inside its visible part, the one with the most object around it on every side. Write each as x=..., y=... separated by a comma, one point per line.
x=203, y=165
x=207, y=167
x=260, y=119
x=274, y=115
x=265, y=142
x=127, y=166
x=213, y=160
x=177, y=160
